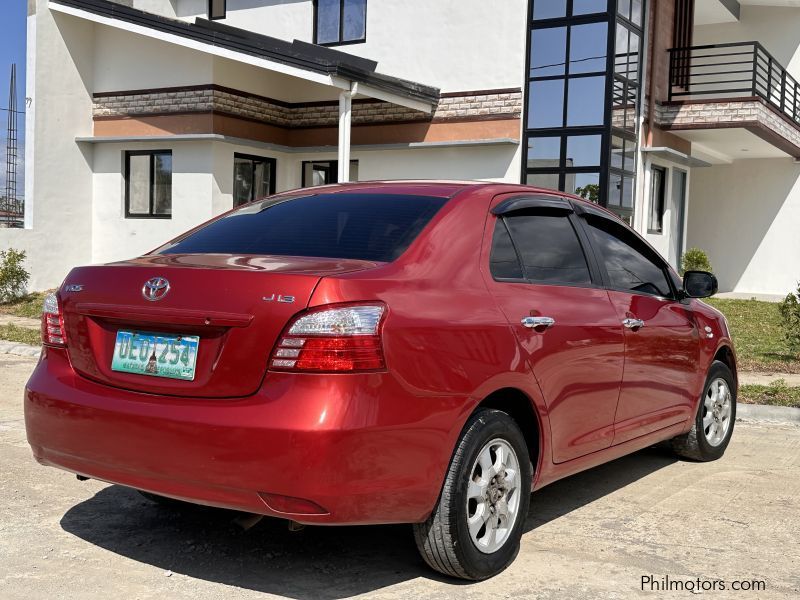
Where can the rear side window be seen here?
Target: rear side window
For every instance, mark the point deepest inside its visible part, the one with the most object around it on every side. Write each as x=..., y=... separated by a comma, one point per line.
x=504, y=260
x=376, y=227
x=549, y=248
x=630, y=264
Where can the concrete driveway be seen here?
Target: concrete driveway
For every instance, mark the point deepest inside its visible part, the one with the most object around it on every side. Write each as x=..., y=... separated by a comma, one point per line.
x=594, y=535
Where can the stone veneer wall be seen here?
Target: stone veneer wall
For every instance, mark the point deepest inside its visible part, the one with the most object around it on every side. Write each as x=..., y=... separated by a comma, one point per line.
x=727, y=113
x=491, y=104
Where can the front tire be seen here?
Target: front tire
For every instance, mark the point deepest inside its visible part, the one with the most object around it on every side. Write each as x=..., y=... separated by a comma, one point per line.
x=713, y=424
x=474, y=532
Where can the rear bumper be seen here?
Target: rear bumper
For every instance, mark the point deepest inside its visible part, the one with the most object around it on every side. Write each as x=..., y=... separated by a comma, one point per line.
x=352, y=444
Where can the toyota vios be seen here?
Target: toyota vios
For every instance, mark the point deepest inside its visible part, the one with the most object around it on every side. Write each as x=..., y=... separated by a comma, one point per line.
x=399, y=352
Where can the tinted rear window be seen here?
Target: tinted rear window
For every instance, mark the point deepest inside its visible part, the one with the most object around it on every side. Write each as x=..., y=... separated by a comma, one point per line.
x=376, y=227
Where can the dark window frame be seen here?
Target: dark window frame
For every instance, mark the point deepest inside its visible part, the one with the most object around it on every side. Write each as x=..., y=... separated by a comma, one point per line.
x=333, y=166
x=657, y=204
x=595, y=275
x=217, y=16
x=255, y=158
x=341, y=41
x=150, y=214
x=606, y=130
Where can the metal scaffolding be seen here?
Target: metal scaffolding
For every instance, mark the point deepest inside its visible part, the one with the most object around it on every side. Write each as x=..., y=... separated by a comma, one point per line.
x=11, y=207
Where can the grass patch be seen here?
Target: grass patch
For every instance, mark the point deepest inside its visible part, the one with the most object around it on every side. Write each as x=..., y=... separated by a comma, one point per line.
x=21, y=335
x=29, y=305
x=757, y=332
x=776, y=393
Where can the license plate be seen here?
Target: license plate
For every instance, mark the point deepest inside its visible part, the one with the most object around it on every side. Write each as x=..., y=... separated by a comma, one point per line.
x=155, y=354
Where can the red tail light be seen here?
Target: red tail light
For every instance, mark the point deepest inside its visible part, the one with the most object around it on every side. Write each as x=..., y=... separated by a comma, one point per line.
x=52, y=322
x=332, y=339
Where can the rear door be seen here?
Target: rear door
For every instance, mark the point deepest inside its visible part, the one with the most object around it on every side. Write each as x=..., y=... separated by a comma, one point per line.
x=549, y=290
x=661, y=337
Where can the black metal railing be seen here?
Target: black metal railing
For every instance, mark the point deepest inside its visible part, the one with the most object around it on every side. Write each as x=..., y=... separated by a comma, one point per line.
x=735, y=70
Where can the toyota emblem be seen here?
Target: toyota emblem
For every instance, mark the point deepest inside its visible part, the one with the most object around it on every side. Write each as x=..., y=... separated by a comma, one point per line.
x=155, y=289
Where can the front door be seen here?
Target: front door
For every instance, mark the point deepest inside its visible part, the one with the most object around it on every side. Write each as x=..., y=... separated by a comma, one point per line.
x=662, y=345
x=572, y=338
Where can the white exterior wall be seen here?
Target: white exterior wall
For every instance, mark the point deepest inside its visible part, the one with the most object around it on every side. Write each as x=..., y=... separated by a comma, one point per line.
x=202, y=183
x=58, y=208
x=126, y=61
x=746, y=216
x=455, y=45
x=114, y=236
x=774, y=26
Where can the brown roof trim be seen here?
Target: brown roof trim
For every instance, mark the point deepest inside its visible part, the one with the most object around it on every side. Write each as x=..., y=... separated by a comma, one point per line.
x=283, y=103
x=472, y=119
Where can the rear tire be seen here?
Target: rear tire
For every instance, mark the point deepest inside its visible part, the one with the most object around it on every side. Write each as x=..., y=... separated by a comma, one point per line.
x=716, y=414
x=474, y=532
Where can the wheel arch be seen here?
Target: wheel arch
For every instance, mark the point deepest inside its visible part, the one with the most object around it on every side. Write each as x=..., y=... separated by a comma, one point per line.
x=725, y=355
x=520, y=407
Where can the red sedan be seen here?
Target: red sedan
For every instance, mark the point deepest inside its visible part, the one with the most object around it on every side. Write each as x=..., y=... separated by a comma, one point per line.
x=408, y=352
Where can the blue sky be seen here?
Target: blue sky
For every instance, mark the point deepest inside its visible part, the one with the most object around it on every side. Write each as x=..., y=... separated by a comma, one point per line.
x=12, y=50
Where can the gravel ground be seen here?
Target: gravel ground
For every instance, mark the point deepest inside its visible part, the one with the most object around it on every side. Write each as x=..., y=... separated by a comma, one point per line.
x=593, y=535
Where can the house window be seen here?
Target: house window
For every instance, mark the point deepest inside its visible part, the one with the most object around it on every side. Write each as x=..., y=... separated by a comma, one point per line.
x=658, y=180
x=148, y=184
x=253, y=178
x=324, y=172
x=340, y=21
x=216, y=9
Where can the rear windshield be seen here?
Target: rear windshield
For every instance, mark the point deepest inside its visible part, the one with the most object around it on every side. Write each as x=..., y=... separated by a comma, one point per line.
x=375, y=227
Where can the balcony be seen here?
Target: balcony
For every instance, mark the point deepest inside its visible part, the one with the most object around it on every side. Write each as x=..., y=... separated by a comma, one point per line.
x=734, y=86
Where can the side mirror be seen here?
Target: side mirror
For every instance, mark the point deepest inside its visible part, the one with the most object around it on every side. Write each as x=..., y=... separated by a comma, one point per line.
x=699, y=284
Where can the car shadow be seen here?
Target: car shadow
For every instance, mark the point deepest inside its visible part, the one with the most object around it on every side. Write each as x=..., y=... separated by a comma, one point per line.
x=318, y=562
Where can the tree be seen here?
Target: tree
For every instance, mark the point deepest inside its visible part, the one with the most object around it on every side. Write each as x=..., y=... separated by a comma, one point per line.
x=590, y=191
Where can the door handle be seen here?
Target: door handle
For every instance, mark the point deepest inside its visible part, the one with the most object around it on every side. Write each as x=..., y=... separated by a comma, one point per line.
x=538, y=322
x=633, y=324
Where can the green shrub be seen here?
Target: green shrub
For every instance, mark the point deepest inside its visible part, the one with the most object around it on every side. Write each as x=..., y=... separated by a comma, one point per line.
x=13, y=276
x=790, y=314
x=695, y=260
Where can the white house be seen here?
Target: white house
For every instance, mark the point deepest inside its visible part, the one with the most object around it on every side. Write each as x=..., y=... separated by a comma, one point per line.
x=151, y=116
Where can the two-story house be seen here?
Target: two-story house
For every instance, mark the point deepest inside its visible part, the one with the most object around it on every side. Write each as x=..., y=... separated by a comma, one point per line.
x=151, y=116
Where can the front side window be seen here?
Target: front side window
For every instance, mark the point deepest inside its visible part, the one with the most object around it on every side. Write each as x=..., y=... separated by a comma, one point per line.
x=658, y=179
x=148, y=184
x=376, y=227
x=547, y=246
x=340, y=21
x=631, y=266
x=253, y=178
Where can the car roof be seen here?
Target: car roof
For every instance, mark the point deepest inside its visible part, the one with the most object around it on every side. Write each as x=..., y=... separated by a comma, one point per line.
x=441, y=188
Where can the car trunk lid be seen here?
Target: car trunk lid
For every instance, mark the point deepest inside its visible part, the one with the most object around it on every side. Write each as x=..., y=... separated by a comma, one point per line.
x=236, y=305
